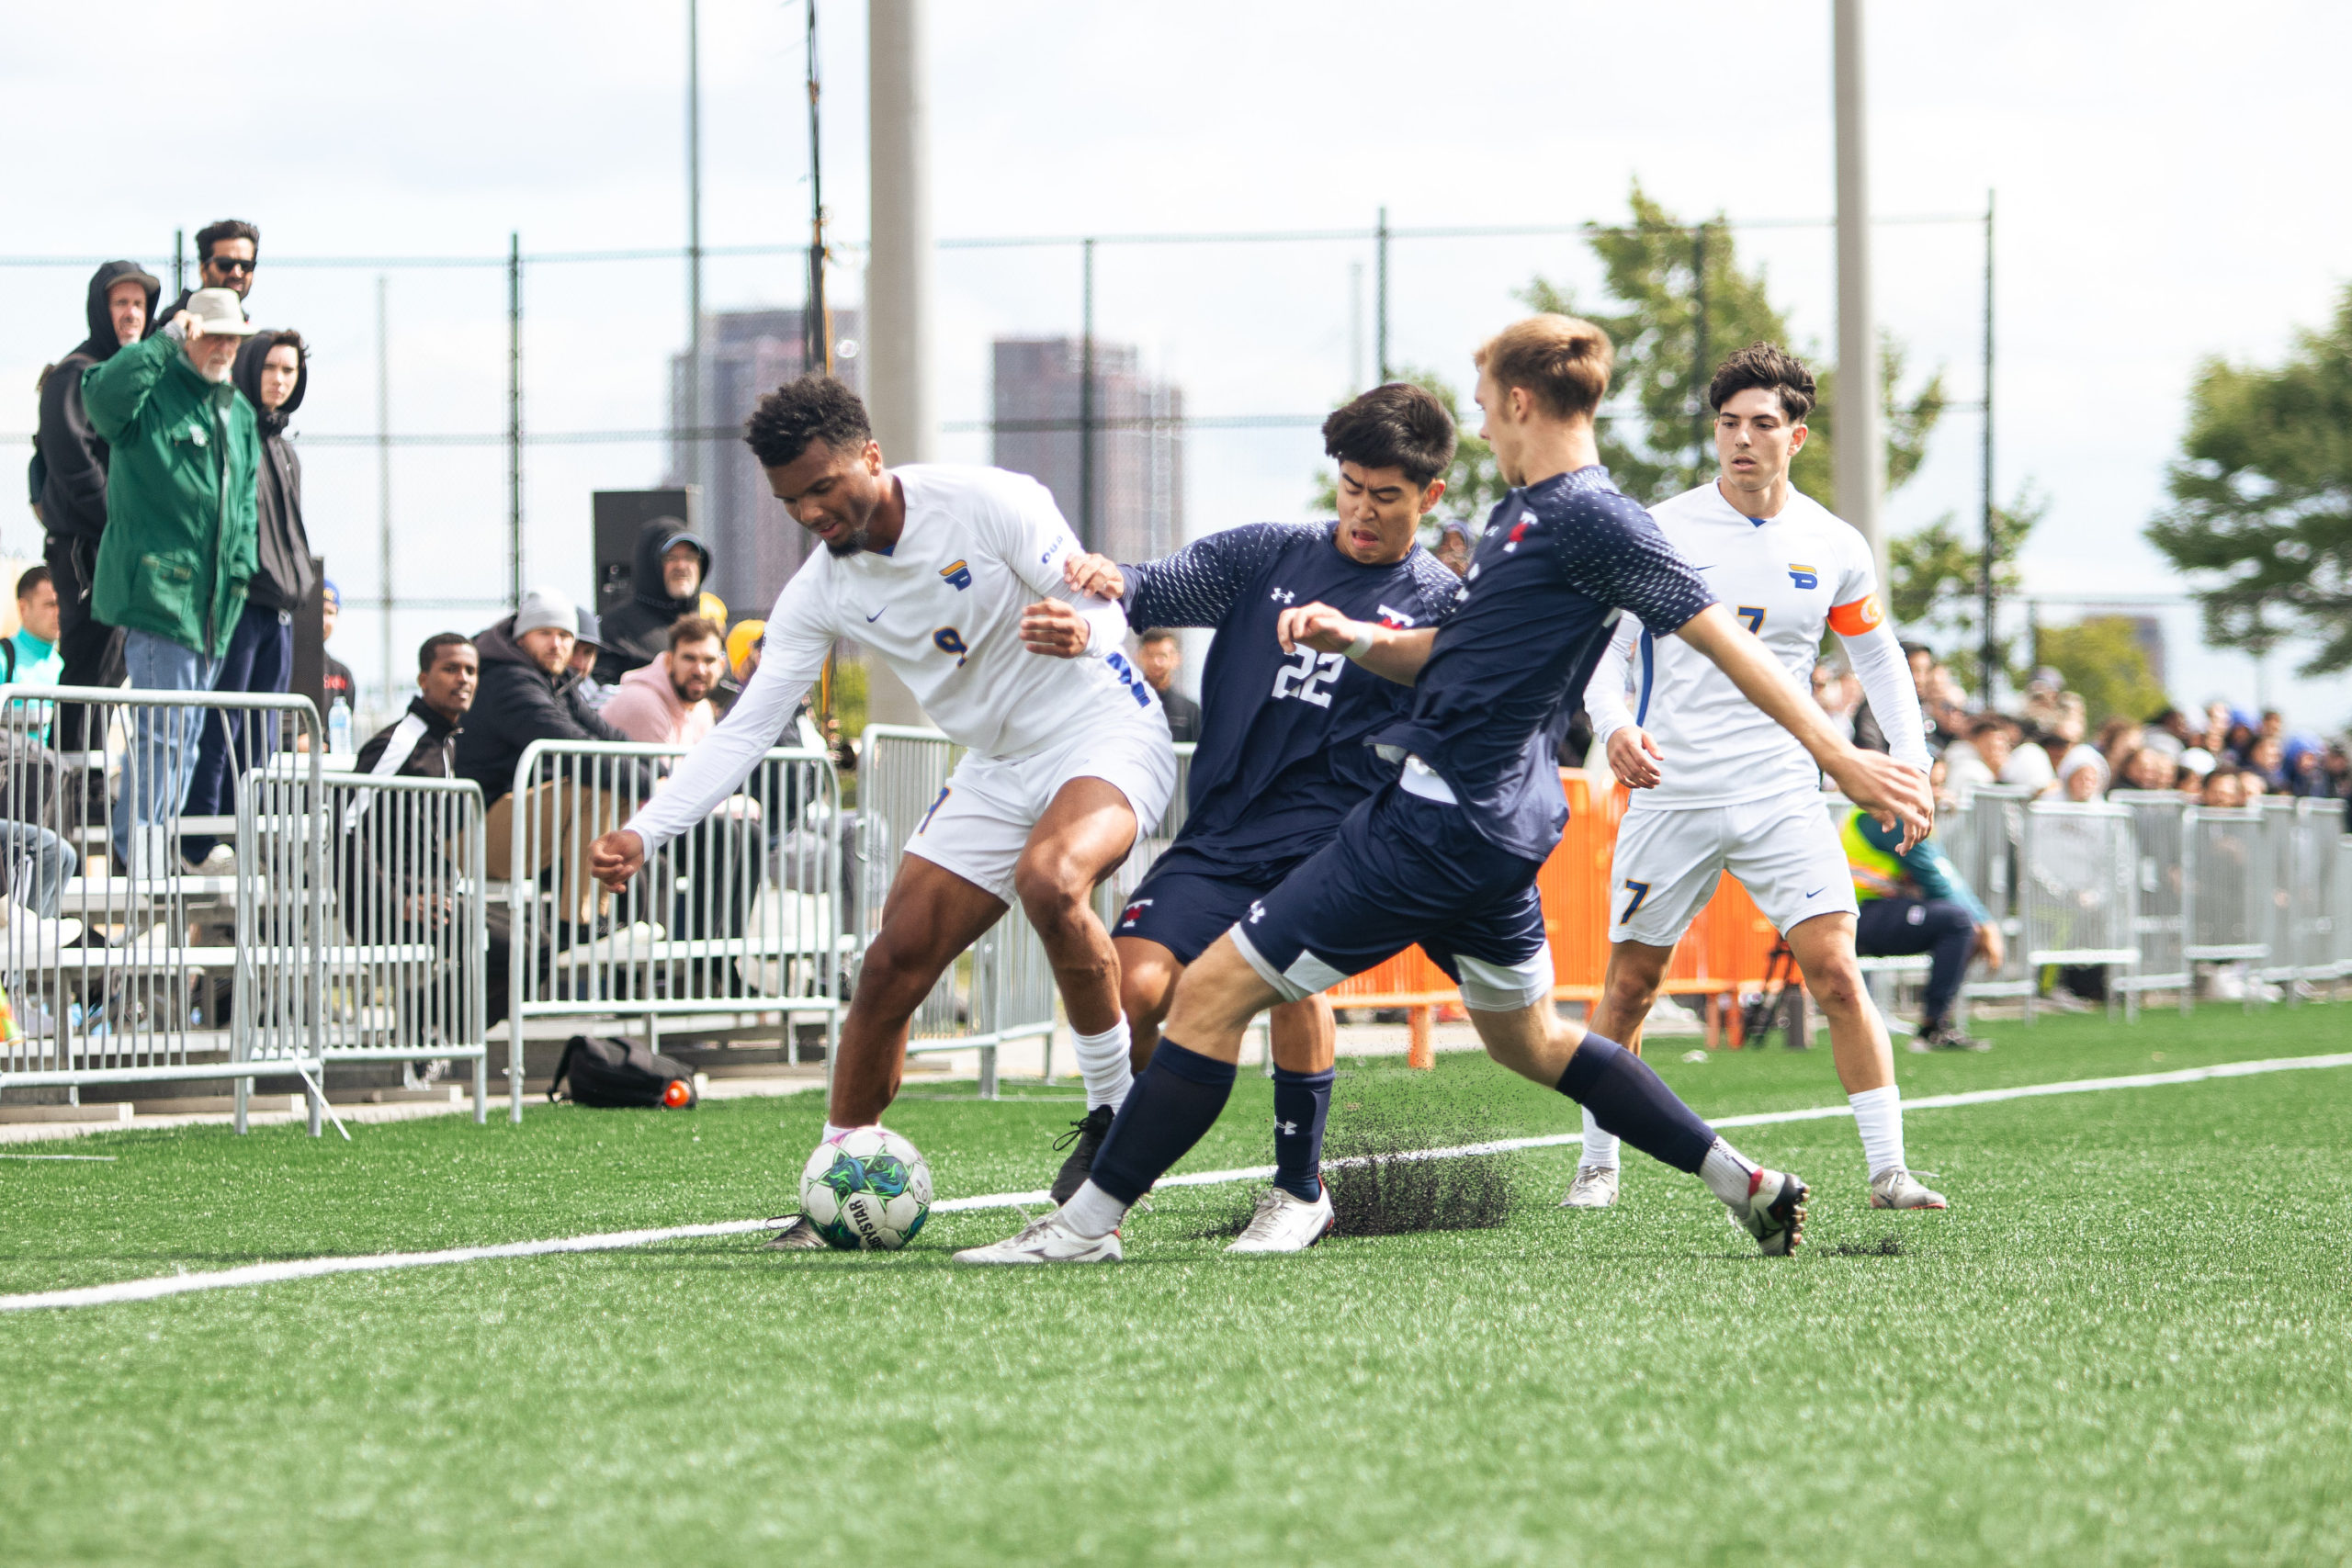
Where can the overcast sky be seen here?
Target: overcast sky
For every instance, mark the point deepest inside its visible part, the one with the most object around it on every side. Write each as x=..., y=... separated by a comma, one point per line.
x=2168, y=187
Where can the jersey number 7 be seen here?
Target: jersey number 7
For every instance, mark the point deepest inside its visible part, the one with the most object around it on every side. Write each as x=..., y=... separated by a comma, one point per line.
x=1309, y=679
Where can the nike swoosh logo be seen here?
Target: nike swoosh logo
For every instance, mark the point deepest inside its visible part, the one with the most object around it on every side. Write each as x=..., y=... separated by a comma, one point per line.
x=1818, y=891
x=1703, y=568
x=877, y=615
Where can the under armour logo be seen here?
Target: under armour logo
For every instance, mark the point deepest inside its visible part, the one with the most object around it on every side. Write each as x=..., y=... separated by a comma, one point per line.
x=1287, y=1129
x=1257, y=912
x=1284, y=596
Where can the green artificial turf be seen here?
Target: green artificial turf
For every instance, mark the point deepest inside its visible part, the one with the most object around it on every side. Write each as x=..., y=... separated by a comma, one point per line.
x=2131, y=1340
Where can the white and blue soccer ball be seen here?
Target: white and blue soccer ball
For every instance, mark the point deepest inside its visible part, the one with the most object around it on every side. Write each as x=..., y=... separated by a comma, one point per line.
x=866, y=1189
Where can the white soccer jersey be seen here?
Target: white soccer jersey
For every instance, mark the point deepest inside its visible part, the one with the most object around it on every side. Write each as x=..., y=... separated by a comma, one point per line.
x=943, y=609
x=1786, y=578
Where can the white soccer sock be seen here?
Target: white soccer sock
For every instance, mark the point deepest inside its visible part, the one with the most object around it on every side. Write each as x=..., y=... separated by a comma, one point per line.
x=1093, y=1213
x=1600, y=1147
x=1727, y=1172
x=831, y=1132
x=1103, y=1063
x=1878, y=1116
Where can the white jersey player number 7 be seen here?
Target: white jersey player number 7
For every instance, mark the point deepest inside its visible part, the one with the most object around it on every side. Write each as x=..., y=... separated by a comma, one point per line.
x=1788, y=578
x=942, y=606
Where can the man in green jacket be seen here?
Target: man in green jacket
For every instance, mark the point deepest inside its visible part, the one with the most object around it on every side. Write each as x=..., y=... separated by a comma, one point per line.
x=179, y=542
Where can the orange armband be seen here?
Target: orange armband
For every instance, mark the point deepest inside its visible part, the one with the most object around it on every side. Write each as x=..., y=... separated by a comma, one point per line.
x=1852, y=620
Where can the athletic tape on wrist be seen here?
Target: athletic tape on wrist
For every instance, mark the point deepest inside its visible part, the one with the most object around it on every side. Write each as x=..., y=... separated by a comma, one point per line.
x=1361, y=646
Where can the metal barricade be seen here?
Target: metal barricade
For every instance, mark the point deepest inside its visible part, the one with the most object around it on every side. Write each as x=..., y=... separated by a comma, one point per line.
x=742, y=914
x=124, y=961
x=2299, y=931
x=1001, y=990
x=2079, y=891
x=2158, y=816
x=404, y=955
x=1983, y=837
x=2226, y=876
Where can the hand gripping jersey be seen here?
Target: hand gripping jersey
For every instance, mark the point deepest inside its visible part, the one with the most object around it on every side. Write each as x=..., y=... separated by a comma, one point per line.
x=942, y=608
x=1281, y=754
x=1787, y=577
x=1559, y=558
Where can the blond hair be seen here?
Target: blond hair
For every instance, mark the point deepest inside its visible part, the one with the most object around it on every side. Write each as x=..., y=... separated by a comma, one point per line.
x=1564, y=362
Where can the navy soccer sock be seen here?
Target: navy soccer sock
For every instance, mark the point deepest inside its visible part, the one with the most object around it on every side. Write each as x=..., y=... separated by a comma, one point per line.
x=1629, y=1099
x=1175, y=1100
x=1302, y=1104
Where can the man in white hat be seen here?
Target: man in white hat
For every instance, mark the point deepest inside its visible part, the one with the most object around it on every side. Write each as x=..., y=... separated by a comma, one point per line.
x=180, y=536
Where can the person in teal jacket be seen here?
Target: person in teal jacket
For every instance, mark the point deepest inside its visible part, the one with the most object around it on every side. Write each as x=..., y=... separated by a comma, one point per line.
x=180, y=543
x=1916, y=901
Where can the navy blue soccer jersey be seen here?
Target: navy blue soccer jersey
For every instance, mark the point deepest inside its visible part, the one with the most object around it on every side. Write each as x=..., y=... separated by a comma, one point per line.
x=1282, y=756
x=1558, y=559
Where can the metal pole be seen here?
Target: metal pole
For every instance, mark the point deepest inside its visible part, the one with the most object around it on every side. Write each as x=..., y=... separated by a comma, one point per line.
x=179, y=261
x=1086, y=530
x=1355, y=328
x=1699, y=368
x=691, y=405
x=1380, y=296
x=1990, y=652
x=896, y=364
x=816, y=329
x=514, y=418
x=384, y=489
x=1860, y=454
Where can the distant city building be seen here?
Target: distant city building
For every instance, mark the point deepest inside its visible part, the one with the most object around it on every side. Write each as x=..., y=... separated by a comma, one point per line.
x=1138, y=480
x=2148, y=631
x=755, y=548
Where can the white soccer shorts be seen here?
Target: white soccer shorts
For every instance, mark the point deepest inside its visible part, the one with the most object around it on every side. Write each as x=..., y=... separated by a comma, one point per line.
x=1783, y=849
x=982, y=820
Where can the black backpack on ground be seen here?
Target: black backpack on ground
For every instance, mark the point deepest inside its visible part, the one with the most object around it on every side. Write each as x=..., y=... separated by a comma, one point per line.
x=620, y=1073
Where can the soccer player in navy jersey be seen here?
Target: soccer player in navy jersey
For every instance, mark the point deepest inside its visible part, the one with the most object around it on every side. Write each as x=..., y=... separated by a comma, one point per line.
x=1283, y=755
x=1447, y=856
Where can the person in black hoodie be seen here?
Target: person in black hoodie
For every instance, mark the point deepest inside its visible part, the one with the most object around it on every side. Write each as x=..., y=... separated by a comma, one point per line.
x=529, y=694
x=665, y=582
x=72, y=460
x=272, y=370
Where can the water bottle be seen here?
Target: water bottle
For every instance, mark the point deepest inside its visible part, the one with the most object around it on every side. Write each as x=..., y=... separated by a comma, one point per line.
x=339, y=728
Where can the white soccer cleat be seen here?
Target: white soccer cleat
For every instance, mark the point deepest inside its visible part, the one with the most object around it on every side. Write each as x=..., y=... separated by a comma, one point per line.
x=1594, y=1187
x=1286, y=1223
x=1049, y=1240
x=1773, y=1211
x=1896, y=1188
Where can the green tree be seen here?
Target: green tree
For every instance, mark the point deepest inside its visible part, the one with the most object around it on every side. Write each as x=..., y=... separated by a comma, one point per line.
x=1683, y=303
x=2262, y=498
x=1935, y=578
x=2102, y=658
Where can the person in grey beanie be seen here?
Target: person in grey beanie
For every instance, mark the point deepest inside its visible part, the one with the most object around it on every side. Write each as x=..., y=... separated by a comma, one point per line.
x=525, y=694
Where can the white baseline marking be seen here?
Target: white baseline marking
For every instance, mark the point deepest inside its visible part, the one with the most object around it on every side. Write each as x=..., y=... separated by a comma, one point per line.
x=613, y=1241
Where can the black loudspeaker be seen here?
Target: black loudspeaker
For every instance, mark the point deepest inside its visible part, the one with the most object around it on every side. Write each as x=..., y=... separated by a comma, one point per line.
x=620, y=517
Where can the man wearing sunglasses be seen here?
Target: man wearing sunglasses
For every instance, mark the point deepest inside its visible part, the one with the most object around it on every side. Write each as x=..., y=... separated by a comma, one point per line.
x=225, y=256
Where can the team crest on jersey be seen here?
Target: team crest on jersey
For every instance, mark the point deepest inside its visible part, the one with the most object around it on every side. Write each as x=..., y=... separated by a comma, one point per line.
x=1518, y=532
x=957, y=574
x=1395, y=620
x=1803, y=576
x=1134, y=911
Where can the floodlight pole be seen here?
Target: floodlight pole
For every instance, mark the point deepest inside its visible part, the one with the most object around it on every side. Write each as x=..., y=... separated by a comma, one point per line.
x=1991, y=650
x=384, y=486
x=816, y=327
x=1380, y=297
x=514, y=418
x=897, y=361
x=690, y=408
x=1699, y=376
x=179, y=261
x=1861, y=455
x=1086, y=530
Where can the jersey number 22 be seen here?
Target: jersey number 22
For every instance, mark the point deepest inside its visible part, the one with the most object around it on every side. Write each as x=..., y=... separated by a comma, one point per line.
x=1311, y=678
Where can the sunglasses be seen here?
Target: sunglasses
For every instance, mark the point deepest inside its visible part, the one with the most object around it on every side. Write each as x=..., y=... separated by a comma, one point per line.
x=230, y=263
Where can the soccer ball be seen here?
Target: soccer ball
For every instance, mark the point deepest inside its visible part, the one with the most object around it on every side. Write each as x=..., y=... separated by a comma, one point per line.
x=866, y=1188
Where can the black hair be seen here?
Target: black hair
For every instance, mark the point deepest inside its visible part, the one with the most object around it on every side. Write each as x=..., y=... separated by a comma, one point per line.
x=32, y=578
x=1156, y=634
x=287, y=337
x=814, y=407
x=696, y=628
x=428, y=655
x=1397, y=426
x=1913, y=649
x=1772, y=369
x=212, y=234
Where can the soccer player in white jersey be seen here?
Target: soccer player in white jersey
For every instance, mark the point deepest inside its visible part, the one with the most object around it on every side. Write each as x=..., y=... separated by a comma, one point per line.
x=1719, y=787
x=953, y=577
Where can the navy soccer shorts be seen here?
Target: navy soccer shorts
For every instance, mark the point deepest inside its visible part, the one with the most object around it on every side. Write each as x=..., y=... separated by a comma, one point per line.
x=1190, y=899
x=1405, y=870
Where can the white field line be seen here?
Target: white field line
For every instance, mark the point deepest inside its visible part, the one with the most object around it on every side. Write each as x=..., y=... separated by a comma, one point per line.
x=613, y=1241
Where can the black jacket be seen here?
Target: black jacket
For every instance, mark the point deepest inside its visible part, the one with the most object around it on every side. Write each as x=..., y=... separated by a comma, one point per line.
x=431, y=755
x=637, y=633
x=69, y=456
x=517, y=704
x=283, y=580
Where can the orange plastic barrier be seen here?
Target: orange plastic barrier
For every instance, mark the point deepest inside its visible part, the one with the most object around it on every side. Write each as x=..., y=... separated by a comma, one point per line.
x=1723, y=953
